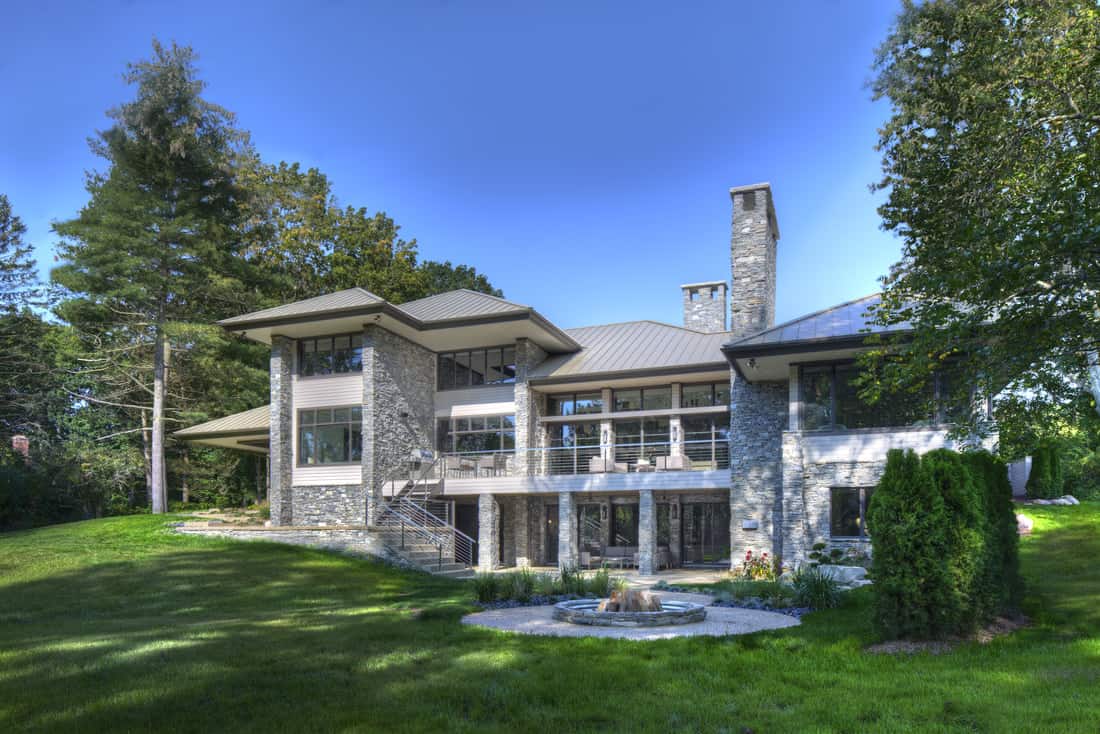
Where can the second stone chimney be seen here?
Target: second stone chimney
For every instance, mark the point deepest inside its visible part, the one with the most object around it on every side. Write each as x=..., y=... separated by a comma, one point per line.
x=752, y=259
x=705, y=306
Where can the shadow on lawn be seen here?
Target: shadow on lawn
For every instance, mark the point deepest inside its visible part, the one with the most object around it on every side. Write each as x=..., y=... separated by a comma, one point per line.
x=258, y=637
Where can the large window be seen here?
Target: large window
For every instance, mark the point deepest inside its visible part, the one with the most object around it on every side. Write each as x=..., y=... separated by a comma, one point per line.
x=645, y=439
x=706, y=440
x=590, y=527
x=330, y=436
x=624, y=525
x=480, y=435
x=575, y=403
x=705, y=395
x=648, y=398
x=330, y=355
x=474, y=367
x=848, y=511
x=572, y=446
x=830, y=401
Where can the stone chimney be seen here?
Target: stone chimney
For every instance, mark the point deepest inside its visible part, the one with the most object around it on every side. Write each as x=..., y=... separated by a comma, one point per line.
x=705, y=306
x=752, y=259
x=21, y=445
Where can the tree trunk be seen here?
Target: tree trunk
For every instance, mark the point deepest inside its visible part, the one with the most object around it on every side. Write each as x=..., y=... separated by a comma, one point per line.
x=160, y=494
x=147, y=453
x=186, y=473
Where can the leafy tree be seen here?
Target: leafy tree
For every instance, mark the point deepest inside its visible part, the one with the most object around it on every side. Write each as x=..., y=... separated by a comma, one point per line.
x=443, y=276
x=991, y=164
x=154, y=250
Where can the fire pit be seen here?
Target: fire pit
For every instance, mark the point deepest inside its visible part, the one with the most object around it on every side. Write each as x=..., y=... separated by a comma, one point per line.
x=629, y=609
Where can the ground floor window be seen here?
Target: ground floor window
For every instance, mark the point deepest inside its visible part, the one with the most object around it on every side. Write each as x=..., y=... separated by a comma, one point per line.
x=330, y=436
x=590, y=527
x=848, y=511
x=624, y=525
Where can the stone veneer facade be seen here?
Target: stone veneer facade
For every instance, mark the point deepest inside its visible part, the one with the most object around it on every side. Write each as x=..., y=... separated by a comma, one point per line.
x=281, y=458
x=752, y=260
x=705, y=306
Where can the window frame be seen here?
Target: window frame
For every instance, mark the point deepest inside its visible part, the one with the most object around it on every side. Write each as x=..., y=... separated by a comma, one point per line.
x=505, y=424
x=572, y=398
x=300, y=351
x=713, y=387
x=485, y=355
x=641, y=398
x=350, y=423
x=934, y=418
x=864, y=499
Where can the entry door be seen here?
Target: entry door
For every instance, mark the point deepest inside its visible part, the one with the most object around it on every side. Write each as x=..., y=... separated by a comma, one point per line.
x=551, y=526
x=706, y=533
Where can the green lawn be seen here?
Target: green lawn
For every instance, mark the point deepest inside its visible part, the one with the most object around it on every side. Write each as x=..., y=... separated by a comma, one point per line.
x=117, y=624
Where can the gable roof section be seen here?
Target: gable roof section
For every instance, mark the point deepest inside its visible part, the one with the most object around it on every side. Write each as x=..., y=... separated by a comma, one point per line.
x=847, y=323
x=634, y=346
x=351, y=298
x=256, y=421
x=460, y=304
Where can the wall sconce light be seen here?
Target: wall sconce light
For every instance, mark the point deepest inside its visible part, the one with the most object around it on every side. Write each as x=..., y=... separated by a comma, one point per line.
x=603, y=512
x=675, y=434
x=752, y=363
x=605, y=438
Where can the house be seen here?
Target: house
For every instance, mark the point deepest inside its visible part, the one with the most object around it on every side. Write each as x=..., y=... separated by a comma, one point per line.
x=472, y=430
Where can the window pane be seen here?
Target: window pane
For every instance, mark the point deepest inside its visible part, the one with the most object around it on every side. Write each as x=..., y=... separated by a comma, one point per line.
x=588, y=434
x=462, y=369
x=493, y=366
x=477, y=424
x=323, y=356
x=867, y=492
x=844, y=512
x=655, y=430
x=509, y=367
x=306, y=446
x=462, y=424
x=477, y=368
x=492, y=422
x=508, y=440
x=306, y=362
x=332, y=444
x=446, y=371
x=696, y=396
x=307, y=417
x=664, y=525
x=628, y=400
x=817, y=392
x=324, y=415
x=589, y=403
x=443, y=440
x=357, y=415
x=356, y=359
x=590, y=527
x=897, y=409
x=657, y=398
x=562, y=405
x=624, y=525
x=356, y=443
x=341, y=415
x=341, y=346
x=509, y=421
x=722, y=393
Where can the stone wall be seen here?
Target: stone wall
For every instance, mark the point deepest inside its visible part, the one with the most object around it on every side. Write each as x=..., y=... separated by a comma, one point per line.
x=342, y=504
x=758, y=415
x=353, y=541
x=529, y=405
x=752, y=261
x=818, y=479
x=398, y=407
x=705, y=312
x=280, y=465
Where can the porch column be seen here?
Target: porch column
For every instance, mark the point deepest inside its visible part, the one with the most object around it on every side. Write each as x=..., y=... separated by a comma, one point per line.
x=675, y=427
x=281, y=457
x=567, y=531
x=488, y=532
x=647, y=533
x=521, y=524
x=674, y=519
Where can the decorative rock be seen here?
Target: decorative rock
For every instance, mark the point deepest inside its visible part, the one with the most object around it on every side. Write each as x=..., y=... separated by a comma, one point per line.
x=844, y=575
x=1024, y=524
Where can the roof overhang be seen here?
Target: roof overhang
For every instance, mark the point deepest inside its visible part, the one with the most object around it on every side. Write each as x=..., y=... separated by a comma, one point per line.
x=770, y=362
x=634, y=378
x=438, y=335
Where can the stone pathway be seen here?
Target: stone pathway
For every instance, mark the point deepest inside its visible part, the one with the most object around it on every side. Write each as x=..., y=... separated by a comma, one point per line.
x=720, y=621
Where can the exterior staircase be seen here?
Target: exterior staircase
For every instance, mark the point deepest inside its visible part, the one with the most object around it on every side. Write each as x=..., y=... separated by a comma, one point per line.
x=417, y=526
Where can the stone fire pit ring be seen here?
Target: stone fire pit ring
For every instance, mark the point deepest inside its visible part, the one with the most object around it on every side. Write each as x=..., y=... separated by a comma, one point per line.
x=584, y=611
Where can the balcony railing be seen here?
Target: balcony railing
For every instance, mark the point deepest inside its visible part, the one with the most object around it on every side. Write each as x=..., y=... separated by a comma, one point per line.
x=619, y=458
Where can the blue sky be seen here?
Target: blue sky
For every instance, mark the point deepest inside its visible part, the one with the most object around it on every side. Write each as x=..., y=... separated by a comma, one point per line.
x=579, y=154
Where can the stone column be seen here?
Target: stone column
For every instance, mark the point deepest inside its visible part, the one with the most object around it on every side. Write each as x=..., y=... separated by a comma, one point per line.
x=794, y=538
x=675, y=510
x=647, y=533
x=607, y=434
x=488, y=532
x=675, y=427
x=567, y=531
x=282, y=440
x=522, y=523
x=528, y=355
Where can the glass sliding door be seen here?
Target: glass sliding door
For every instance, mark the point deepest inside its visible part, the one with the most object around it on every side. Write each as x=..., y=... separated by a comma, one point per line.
x=706, y=533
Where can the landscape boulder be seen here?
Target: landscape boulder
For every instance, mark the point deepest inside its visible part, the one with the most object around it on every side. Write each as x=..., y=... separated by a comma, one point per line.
x=1024, y=524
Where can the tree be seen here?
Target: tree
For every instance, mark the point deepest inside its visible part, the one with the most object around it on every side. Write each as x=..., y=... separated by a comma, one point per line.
x=443, y=276
x=18, y=280
x=991, y=164
x=151, y=259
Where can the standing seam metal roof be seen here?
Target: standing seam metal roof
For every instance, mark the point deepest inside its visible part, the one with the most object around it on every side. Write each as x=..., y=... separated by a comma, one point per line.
x=845, y=320
x=256, y=420
x=350, y=298
x=634, y=345
x=458, y=304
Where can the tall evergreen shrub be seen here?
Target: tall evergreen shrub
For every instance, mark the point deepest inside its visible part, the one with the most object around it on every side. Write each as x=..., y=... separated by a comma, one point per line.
x=1045, y=480
x=1002, y=583
x=907, y=522
x=965, y=526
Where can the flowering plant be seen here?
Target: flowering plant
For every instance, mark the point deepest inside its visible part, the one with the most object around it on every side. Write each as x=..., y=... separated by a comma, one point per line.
x=757, y=568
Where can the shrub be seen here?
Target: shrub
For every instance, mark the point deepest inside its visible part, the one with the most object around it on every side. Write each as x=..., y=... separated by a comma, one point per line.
x=757, y=568
x=599, y=583
x=907, y=523
x=572, y=581
x=1045, y=480
x=520, y=585
x=814, y=588
x=547, y=585
x=1001, y=577
x=487, y=587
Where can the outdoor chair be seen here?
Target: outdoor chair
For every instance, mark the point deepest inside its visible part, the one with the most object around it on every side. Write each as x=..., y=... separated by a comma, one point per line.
x=486, y=464
x=671, y=463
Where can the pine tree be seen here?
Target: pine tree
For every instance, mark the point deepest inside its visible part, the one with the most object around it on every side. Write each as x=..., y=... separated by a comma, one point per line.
x=18, y=280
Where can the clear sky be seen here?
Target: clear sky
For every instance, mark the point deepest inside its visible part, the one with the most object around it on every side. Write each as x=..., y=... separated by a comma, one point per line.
x=579, y=154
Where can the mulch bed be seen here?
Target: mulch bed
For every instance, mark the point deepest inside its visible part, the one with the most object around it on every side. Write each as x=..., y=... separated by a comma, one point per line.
x=997, y=628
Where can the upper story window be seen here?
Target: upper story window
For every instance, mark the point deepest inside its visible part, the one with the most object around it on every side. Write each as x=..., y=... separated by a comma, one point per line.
x=474, y=367
x=330, y=436
x=330, y=355
x=482, y=434
x=575, y=403
x=646, y=398
x=830, y=401
x=705, y=395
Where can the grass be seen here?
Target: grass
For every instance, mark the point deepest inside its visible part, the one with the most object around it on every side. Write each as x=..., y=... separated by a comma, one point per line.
x=117, y=624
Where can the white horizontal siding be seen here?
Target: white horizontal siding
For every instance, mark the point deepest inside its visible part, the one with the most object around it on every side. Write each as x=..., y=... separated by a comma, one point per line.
x=487, y=400
x=328, y=391
x=312, y=476
x=656, y=481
